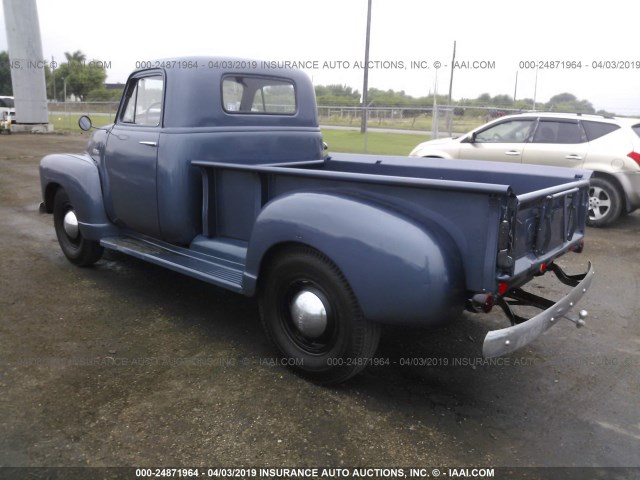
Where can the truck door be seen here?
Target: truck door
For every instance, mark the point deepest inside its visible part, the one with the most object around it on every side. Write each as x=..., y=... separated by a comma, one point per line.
x=131, y=156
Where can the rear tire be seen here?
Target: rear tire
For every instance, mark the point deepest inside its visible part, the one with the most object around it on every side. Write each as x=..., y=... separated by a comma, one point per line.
x=310, y=313
x=605, y=202
x=78, y=250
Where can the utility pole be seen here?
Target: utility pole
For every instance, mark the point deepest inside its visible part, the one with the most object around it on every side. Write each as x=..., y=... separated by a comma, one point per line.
x=535, y=91
x=515, y=89
x=435, y=119
x=365, y=88
x=450, y=112
x=53, y=76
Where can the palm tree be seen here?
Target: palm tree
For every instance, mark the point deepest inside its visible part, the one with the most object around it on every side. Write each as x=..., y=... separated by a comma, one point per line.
x=75, y=57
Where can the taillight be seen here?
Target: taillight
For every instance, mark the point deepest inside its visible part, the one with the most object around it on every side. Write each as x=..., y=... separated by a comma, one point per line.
x=577, y=247
x=481, y=302
x=503, y=287
x=635, y=156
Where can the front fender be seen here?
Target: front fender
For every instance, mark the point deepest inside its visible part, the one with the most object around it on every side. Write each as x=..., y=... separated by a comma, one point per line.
x=401, y=271
x=79, y=177
x=431, y=153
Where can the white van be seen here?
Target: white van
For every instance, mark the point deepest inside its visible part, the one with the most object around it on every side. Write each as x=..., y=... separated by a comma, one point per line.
x=7, y=105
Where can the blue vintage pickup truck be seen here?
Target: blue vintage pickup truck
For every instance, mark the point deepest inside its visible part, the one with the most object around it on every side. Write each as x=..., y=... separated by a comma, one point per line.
x=216, y=168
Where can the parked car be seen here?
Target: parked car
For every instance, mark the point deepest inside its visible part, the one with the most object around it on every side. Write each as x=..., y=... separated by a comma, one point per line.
x=219, y=172
x=609, y=146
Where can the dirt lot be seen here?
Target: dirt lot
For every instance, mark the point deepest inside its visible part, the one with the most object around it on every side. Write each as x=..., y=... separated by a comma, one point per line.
x=127, y=364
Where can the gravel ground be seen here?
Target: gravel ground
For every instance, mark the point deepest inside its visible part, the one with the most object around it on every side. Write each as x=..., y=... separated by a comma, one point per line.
x=128, y=364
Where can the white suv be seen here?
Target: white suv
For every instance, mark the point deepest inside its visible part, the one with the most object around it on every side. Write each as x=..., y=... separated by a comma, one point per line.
x=610, y=146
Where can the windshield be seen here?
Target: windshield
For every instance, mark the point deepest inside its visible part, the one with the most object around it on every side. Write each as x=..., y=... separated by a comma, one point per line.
x=6, y=102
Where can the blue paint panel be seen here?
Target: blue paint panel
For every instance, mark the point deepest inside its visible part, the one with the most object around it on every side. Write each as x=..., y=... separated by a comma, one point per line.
x=399, y=269
x=237, y=202
x=130, y=173
x=222, y=190
x=79, y=176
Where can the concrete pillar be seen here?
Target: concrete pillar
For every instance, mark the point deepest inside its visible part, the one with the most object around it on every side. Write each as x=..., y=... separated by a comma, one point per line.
x=27, y=61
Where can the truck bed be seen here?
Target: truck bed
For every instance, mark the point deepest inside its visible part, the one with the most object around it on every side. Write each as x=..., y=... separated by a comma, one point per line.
x=470, y=201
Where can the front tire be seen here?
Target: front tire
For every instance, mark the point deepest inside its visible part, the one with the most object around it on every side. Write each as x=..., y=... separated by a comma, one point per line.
x=605, y=202
x=78, y=250
x=310, y=313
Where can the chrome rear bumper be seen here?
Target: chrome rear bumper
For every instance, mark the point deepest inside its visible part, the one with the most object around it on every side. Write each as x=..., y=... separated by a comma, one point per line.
x=507, y=340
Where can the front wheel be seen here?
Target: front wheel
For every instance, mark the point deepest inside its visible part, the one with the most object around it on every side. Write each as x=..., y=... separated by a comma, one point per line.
x=79, y=250
x=605, y=202
x=311, y=315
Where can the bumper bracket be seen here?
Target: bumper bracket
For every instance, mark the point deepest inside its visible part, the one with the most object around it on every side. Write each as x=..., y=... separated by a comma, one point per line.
x=523, y=331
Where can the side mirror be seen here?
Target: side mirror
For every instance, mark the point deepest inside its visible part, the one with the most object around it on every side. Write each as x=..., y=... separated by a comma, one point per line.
x=472, y=138
x=325, y=146
x=84, y=122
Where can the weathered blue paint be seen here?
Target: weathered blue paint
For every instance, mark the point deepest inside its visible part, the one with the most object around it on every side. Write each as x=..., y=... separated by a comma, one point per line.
x=213, y=194
x=79, y=176
x=402, y=270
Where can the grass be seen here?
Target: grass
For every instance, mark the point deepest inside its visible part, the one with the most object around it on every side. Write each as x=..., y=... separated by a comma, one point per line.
x=420, y=123
x=352, y=141
x=348, y=141
x=69, y=122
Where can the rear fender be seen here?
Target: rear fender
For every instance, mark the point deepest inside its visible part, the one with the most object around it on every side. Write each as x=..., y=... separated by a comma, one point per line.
x=401, y=271
x=79, y=177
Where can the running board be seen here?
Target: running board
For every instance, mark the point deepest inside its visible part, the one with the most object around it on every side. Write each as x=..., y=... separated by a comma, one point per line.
x=210, y=269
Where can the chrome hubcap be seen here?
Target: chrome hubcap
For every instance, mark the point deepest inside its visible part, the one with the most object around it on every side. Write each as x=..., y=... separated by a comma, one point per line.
x=309, y=314
x=70, y=224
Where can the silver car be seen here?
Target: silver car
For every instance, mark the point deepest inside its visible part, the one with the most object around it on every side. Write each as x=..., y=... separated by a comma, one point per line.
x=610, y=146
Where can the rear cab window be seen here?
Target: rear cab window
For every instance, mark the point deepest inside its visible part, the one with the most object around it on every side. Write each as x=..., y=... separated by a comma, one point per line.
x=245, y=94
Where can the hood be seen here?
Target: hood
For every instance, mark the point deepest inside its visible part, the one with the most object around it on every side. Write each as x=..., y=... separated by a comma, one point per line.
x=439, y=141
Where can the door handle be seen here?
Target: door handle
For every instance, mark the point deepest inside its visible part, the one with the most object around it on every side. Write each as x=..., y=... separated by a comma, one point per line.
x=512, y=152
x=573, y=157
x=149, y=144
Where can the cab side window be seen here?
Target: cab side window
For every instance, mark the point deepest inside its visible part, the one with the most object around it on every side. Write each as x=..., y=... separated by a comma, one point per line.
x=143, y=103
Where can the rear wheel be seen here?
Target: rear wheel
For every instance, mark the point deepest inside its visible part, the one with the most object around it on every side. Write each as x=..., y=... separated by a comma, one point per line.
x=605, y=202
x=311, y=315
x=79, y=250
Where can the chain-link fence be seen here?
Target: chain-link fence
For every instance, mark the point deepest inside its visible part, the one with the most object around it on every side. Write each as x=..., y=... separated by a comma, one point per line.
x=442, y=121
x=64, y=115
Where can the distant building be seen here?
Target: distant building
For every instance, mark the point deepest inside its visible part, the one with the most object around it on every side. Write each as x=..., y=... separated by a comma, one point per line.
x=114, y=86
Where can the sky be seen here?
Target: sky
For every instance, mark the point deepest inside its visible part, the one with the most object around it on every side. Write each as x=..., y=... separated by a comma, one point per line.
x=550, y=46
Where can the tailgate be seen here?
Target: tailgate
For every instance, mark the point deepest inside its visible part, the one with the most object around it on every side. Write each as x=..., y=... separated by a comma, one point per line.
x=540, y=226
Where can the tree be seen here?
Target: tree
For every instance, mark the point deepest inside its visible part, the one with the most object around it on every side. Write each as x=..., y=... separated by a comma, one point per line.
x=502, y=101
x=567, y=102
x=337, y=95
x=104, y=95
x=81, y=77
x=562, y=98
x=343, y=95
x=75, y=57
x=6, y=88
